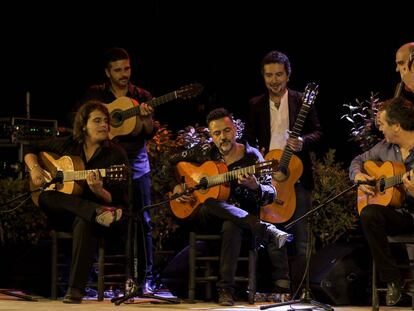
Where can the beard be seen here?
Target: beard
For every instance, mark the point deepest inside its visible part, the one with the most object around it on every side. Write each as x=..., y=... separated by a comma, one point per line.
x=225, y=147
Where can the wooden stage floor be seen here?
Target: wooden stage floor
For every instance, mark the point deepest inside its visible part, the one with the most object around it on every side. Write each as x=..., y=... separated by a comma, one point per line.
x=43, y=304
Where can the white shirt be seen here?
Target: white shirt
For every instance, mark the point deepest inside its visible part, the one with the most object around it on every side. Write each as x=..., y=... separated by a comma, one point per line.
x=279, y=123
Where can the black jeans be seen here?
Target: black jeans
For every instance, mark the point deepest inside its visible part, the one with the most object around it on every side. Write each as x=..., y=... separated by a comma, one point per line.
x=378, y=222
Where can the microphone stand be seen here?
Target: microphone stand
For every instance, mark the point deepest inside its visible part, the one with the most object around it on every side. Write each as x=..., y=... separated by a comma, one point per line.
x=306, y=294
x=136, y=290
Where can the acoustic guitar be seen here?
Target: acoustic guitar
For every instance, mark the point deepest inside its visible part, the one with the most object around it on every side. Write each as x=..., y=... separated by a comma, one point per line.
x=388, y=184
x=71, y=171
x=124, y=111
x=211, y=180
x=290, y=168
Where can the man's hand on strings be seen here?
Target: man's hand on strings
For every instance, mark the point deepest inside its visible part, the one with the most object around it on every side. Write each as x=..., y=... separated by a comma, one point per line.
x=185, y=198
x=368, y=189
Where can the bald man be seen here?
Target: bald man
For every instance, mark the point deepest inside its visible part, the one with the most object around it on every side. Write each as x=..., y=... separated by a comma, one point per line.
x=405, y=65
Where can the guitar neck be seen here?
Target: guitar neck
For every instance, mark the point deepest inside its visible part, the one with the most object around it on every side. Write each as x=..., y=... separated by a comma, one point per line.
x=297, y=129
x=390, y=181
x=80, y=175
x=134, y=111
x=229, y=176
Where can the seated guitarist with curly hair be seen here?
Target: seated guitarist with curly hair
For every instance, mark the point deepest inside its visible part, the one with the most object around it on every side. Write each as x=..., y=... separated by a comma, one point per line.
x=101, y=202
x=396, y=121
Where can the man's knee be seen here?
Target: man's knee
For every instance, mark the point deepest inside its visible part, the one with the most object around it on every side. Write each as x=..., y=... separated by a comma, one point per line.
x=371, y=213
x=230, y=228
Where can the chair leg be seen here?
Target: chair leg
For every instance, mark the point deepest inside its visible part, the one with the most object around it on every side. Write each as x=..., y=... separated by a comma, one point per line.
x=54, y=263
x=191, y=266
x=252, y=272
x=101, y=269
x=375, y=301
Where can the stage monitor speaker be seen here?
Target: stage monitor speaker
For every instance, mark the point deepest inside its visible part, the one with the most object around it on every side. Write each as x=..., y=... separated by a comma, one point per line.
x=340, y=274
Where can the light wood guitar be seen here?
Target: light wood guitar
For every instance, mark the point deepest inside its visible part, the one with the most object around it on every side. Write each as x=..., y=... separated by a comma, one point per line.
x=211, y=181
x=388, y=184
x=124, y=111
x=71, y=170
x=290, y=168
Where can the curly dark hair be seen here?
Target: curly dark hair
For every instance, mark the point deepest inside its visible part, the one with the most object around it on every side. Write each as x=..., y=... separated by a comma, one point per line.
x=82, y=116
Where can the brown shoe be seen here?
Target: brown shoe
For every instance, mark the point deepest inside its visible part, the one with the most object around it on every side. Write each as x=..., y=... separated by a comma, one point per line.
x=73, y=295
x=393, y=293
x=225, y=297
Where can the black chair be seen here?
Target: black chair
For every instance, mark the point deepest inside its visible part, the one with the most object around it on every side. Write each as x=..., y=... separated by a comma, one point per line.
x=108, y=279
x=405, y=240
x=199, y=263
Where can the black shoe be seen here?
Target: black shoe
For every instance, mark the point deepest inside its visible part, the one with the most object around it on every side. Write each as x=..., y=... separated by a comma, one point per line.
x=393, y=293
x=225, y=297
x=73, y=295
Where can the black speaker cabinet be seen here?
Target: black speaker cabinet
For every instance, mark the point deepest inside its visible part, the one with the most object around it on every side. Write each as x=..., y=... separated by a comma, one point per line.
x=340, y=274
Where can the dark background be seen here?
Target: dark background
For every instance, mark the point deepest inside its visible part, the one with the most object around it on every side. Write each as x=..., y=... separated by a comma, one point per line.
x=54, y=52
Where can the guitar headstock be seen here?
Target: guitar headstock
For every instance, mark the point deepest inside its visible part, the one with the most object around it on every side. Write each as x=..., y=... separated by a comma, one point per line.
x=190, y=91
x=267, y=167
x=309, y=95
x=117, y=172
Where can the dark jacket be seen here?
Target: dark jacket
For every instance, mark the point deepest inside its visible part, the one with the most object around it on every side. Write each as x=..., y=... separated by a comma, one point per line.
x=258, y=129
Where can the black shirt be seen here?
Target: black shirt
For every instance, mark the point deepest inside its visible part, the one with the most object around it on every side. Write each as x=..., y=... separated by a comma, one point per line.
x=240, y=196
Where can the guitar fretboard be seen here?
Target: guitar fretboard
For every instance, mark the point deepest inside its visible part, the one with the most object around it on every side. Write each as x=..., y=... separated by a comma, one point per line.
x=229, y=176
x=391, y=181
x=260, y=168
x=131, y=112
x=308, y=98
x=297, y=129
x=80, y=175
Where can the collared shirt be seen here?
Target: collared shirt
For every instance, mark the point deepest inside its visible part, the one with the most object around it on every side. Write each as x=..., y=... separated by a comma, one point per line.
x=279, y=123
x=382, y=152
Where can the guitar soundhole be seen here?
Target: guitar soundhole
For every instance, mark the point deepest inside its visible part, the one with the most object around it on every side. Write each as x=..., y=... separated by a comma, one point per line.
x=381, y=185
x=116, y=118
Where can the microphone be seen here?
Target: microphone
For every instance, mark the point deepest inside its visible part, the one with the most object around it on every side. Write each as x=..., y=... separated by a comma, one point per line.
x=366, y=182
x=57, y=179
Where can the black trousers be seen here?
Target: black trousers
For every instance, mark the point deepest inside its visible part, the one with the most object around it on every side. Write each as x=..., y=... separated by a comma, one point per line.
x=71, y=213
x=378, y=222
x=235, y=223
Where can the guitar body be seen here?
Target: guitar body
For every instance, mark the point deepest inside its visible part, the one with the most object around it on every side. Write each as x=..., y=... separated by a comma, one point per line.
x=193, y=173
x=52, y=163
x=282, y=210
x=124, y=111
x=120, y=125
x=392, y=196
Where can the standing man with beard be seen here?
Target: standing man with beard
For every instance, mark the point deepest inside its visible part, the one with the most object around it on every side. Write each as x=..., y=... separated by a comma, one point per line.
x=117, y=65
